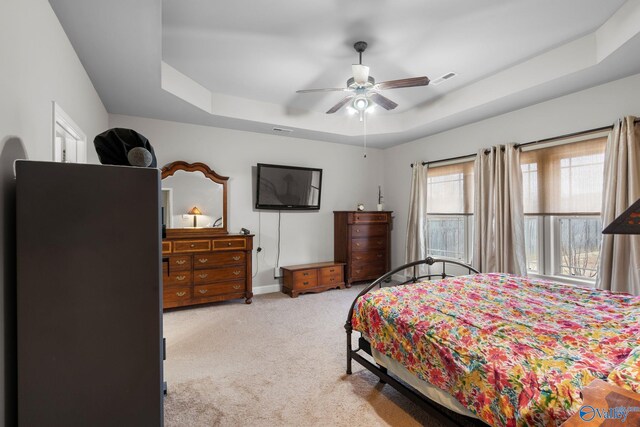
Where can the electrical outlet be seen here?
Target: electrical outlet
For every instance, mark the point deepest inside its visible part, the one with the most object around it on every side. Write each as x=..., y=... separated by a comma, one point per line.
x=276, y=272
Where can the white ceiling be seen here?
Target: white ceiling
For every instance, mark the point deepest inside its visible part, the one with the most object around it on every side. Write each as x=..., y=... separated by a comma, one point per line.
x=246, y=59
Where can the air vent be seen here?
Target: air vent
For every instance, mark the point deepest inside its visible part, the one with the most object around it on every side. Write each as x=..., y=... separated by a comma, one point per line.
x=282, y=130
x=444, y=78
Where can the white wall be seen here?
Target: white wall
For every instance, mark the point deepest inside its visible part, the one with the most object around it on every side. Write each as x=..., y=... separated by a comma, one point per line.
x=37, y=65
x=347, y=178
x=591, y=108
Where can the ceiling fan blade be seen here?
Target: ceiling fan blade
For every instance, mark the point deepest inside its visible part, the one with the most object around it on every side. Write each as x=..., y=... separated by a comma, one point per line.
x=331, y=89
x=382, y=101
x=396, y=84
x=340, y=104
x=360, y=73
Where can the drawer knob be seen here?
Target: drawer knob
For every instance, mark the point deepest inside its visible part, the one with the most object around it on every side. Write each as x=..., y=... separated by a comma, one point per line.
x=203, y=291
x=181, y=294
x=305, y=283
x=203, y=275
x=357, y=244
x=357, y=230
x=203, y=260
x=229, y=244
x=332, y=279
x=236, y=286
x=332, y=270
x=358, y=271
x=181, y=261
x=237, y=272
x=236, y=258
x=180, y=277
x=193, y=245
x=305, y=274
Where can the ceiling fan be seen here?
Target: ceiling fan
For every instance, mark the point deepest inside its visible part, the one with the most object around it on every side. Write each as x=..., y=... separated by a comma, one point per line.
x=364, y=89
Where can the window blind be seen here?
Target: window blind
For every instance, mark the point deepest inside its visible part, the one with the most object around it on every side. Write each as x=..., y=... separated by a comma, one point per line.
x=564, y=179
x=450, y=189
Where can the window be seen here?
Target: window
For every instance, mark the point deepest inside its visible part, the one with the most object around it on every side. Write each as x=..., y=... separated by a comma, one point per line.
x=69, y=142
x=449, y=211
x=578, y=246
x=562, y=193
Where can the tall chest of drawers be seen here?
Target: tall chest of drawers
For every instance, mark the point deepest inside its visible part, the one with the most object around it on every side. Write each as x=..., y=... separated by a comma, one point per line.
x=206, y=268
x=362, y=240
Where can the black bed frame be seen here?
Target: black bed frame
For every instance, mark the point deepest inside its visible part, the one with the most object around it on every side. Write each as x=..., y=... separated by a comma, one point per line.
x=434, y=409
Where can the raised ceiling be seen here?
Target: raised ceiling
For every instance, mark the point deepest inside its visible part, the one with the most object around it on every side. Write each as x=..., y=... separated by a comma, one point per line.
x=238, y=64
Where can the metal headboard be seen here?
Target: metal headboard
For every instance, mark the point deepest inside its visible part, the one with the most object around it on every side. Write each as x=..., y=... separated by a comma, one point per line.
x=414, y=278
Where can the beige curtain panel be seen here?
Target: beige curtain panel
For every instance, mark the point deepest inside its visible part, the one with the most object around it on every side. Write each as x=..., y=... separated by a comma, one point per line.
x=417, y=222
x=619, y=267
x=498, y=212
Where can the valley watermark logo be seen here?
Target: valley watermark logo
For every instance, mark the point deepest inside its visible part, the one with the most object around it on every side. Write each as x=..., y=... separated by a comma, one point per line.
x=589, y=413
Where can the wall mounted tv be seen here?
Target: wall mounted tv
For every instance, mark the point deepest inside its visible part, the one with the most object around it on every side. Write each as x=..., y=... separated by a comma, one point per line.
x=288, y=187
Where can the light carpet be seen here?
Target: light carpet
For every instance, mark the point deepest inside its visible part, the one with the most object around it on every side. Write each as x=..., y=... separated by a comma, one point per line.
x=277, y=362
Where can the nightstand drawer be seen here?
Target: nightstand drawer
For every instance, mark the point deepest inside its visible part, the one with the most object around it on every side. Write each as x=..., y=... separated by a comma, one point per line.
x=229, y=244
x=215, y=259
x=191, y=246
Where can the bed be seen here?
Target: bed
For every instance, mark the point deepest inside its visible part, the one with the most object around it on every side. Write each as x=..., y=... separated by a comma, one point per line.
x=507, y=350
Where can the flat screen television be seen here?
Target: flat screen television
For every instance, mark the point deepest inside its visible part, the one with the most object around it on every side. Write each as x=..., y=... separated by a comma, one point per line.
x=288, y=187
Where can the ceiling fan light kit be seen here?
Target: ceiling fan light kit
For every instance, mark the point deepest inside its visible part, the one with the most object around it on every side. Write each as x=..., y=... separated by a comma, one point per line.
x=360, y=102
x=365, y=89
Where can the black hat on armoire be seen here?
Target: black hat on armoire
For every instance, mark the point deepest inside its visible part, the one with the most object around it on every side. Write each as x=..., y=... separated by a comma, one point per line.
x=124, y=147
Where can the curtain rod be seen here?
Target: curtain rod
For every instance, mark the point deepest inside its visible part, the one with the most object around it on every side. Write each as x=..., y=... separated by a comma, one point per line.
x=525, y=144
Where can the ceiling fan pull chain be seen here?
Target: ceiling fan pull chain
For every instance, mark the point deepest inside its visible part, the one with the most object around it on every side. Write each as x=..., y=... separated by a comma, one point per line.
x=364, y=125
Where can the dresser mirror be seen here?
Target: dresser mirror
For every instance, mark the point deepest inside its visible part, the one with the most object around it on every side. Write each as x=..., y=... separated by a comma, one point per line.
x=194, y=197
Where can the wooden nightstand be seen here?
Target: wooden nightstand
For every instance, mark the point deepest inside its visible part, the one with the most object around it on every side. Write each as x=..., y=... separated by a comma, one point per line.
x=316, y=277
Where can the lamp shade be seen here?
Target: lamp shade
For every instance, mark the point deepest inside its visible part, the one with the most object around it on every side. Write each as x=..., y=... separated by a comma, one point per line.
x=627, y=223
x=194, y=211
x=360, y=73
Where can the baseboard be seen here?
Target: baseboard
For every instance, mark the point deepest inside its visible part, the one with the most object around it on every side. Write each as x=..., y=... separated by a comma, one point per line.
x=267, y=289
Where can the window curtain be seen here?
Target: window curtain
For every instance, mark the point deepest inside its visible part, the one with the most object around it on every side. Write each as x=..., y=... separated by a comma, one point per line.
x=619, y=266
x=417, y=222
x=498, y=241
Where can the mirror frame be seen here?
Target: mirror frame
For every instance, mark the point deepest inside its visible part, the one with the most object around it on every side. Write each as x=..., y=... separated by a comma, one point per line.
x=171, y=168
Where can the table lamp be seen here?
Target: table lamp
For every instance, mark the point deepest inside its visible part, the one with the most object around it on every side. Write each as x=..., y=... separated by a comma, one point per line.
x=195, y=212
x=627, y=223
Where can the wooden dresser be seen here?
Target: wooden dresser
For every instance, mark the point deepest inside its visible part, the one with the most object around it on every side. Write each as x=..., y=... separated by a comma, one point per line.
x=206, y=267
x=362, y=240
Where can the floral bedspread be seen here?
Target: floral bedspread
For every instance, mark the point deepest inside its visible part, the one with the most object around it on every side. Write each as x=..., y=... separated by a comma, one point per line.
x=514, y=350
